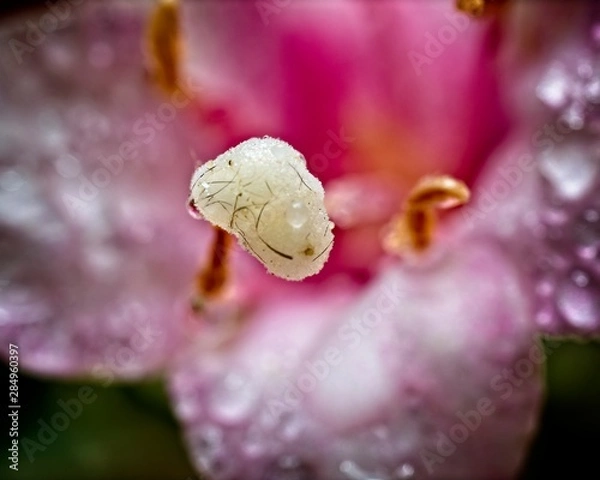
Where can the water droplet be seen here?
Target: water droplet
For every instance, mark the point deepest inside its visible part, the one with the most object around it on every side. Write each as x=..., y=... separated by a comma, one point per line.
x=297, y=214
x=586, y=230
x=404, y=472
x=596, y=34
x=354, y=472
x=553, y=89
x=555, y=217
x=545, y=317
x=585, y=70
x=592, y=91
x=580, y=278
x=570, y=170
x=192, y=210
x=573, y=117
x=254, y=445
x=291, y=427
x=280, y=152
x=289, y=467
x=68, y=166
x=545, y=287
x=591, y=215
x=188, y=409
x=11, y=181
x=234, y=399
x=578, y=300
x=60, y=56
x=205, y=444
x=4, y=317
x=381, y=432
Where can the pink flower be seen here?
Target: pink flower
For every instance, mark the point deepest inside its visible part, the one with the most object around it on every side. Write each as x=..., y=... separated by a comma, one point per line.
x=377, y=367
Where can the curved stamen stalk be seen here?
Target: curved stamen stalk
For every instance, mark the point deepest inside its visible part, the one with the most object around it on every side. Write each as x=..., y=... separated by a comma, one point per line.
x=414, y=228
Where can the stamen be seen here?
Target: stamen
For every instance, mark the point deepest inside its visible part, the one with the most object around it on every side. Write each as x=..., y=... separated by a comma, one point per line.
x=413, y=230
x=478, y=8
x=212, y=279
x=262, y=192
x=165, y=45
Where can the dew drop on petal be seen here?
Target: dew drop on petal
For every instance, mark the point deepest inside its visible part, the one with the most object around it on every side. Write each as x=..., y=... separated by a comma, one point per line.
x=206, y=445
x=404, y=472
x=570, y=170
x=545, y=287
x=578, y=300
x=545, y=317
x=68, y=166
x=233, y=400
x=253, y=445
x=592, y=91
x=11, y=181
x=596, y=34
x=289, y=467
x=573, y=116
x=553, y=89
x=586, y=233
x=353, y=472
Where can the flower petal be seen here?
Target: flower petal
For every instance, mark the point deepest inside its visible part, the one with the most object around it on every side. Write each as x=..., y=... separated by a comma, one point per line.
x=541, y=193
x=97, y=250
x=426, y=371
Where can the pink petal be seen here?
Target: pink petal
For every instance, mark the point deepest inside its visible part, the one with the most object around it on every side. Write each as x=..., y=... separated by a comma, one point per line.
x=379, y=391
x=541, y=193
x=390, y=90
x=98, y=252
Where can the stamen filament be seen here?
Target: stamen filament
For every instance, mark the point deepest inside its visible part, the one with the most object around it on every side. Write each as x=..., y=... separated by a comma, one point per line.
x=165, y=45
x=413, y=229
x=211, y=280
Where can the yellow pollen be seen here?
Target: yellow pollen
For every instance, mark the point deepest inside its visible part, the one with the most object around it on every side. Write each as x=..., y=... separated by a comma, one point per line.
x=414, y=228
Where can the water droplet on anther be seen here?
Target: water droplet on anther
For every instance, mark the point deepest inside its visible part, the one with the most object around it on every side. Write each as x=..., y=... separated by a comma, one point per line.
x=297, y=214
x=192, y=210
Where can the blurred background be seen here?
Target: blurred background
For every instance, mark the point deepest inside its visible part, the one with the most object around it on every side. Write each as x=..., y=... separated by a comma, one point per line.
x=130, y=432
